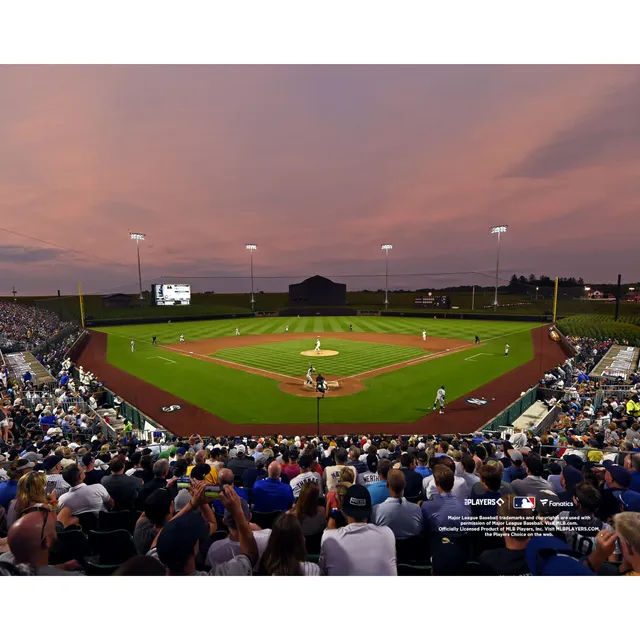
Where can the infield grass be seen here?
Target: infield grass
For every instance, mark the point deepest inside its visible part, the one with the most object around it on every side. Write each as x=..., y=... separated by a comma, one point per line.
x=403, y=395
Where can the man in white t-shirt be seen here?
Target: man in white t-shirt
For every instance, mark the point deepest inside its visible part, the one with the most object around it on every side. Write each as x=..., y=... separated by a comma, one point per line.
x=359, y=549
x=305, y=476
x=332, y=474
x=460, y=489
x=82, y=498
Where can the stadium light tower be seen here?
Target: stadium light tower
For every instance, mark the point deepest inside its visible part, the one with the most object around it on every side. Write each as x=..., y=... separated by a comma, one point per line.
x=252, y=248
x=137, y=237
x=386, y=248
x=499, y=230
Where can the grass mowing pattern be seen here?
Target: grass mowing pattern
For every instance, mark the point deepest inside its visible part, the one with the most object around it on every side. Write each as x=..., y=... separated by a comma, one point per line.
x=353, y=357
x=441, y=328
x=245, y=398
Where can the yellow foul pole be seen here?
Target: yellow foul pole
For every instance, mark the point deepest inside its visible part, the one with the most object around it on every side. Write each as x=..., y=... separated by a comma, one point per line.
x=555, y=301
x=81, y=303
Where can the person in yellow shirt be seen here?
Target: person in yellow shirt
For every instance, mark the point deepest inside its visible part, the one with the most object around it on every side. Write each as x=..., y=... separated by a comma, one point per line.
x=633, y=406
x=201, y=458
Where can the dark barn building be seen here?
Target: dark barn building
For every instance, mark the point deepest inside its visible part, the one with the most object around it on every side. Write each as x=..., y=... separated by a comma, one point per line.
x=116, y=301
x=317, y=292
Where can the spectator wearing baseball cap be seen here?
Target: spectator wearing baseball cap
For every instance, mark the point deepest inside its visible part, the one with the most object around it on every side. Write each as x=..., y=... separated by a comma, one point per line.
x=570, y=478
x=53, y=468
x=358, y=548
x=305, y=476
x=616, y=482
x=516, y=470
x=258, y=472
x=179, y=541
x=240, y=464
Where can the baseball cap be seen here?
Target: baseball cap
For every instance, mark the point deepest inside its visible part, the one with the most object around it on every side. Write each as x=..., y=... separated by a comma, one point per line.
x=549, y=556
x=86, y=459
x=178, y=539
x=200, y=471
x=50, y=462
x=516, y=456
x=181, y=451
x=305, y=461
x=261, y=459
x=25, y=463
x=357, y=502
x=630, y=500
x=241, y=449
x=620, y=475
x=571, y=475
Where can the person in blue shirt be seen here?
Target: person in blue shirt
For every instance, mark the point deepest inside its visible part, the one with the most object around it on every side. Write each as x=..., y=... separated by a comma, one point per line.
x=379, y=491
x=445, y=510
x=515, y=471
x=635, y=473
x=421, y=467
x=64, y=380
x=9, y=489
x=271, y=494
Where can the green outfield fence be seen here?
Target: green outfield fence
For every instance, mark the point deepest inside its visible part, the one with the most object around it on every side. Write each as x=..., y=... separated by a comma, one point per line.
x=512, y=412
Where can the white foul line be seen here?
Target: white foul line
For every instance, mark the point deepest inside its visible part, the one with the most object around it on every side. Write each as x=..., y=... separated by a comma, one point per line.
x=478, y=354
x=161, y=358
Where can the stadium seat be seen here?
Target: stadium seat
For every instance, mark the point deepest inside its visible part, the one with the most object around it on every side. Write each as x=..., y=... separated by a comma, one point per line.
x=313, y=543
x=413, y=550
x=265, y=520
x=414, y=570
x=70, y=545
x=111, y=547
x=88, y=521
x=114, y=520
x=95, y=569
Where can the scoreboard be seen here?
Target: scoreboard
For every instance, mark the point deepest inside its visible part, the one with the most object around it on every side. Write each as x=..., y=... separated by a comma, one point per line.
x=170, y=294
x=434, y=302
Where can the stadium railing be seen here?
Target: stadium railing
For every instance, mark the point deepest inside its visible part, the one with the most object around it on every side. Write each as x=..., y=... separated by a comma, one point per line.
x=506, y=417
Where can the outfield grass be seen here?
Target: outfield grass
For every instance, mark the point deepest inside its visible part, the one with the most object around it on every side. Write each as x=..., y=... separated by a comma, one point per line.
x=403, y=395
x=352, y=358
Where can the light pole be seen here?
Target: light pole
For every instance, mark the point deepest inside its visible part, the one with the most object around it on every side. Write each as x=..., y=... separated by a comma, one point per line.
x=537, y=289
x=386, y=248
x=252, y=248
x=137, y=237
x=499, y=230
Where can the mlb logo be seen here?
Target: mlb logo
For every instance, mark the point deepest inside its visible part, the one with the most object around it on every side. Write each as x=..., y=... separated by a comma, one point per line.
x=524, y=503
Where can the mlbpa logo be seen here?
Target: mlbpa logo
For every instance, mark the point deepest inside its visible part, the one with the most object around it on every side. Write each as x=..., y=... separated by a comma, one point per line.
x=173, y=407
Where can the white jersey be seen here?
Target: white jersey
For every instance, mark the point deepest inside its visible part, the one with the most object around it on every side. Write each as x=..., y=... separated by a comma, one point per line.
x=440, y=394
x=506, y=348
x=182, y=337
x=424, y=335
x=302, y=479
x=317, y=344
x=367, y=478
x=133, y=345
x=310, y=371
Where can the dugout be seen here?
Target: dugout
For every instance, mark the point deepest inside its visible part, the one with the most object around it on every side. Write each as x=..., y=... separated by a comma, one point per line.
x=317, y=291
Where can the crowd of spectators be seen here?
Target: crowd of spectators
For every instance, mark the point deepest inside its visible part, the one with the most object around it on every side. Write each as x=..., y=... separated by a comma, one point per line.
x=28, y=327
x=73, y=502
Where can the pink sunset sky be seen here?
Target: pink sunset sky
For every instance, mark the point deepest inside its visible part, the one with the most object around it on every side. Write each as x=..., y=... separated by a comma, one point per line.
x=318, y=166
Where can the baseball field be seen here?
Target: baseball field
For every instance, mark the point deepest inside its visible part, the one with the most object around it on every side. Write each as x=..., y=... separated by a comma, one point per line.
x=380, y=371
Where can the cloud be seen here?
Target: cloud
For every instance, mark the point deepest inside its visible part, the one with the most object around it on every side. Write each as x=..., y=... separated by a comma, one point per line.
x=610, y=131
x=12, y=253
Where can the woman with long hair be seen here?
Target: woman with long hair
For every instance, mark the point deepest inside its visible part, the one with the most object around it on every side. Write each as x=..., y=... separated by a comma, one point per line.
x=31, y=490
x=286, y=552
x=308, y=511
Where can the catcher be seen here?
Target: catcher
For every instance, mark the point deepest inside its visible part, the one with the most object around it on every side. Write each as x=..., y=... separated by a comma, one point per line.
x=321, y=384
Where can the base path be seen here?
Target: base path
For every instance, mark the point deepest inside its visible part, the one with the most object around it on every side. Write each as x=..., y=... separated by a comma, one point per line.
x=459, y=417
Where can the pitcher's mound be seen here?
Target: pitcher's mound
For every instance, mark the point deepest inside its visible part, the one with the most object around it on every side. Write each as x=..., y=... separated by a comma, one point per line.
x=323, y=353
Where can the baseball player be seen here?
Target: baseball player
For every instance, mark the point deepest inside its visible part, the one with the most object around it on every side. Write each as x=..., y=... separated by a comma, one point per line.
x=317, y=345
x=350, y=327
x=237, y=331
x=321, y=384
x=133, y=346
x=153, y=341
x=309, y=378
x=424, y=335
x=286, y=329
x=477, y=340
x=439, y=399
x=182, y=337
x=506, y=350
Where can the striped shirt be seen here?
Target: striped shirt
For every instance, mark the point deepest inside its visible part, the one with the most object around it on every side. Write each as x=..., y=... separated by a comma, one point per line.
x=444, y=512
x=55, y=482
